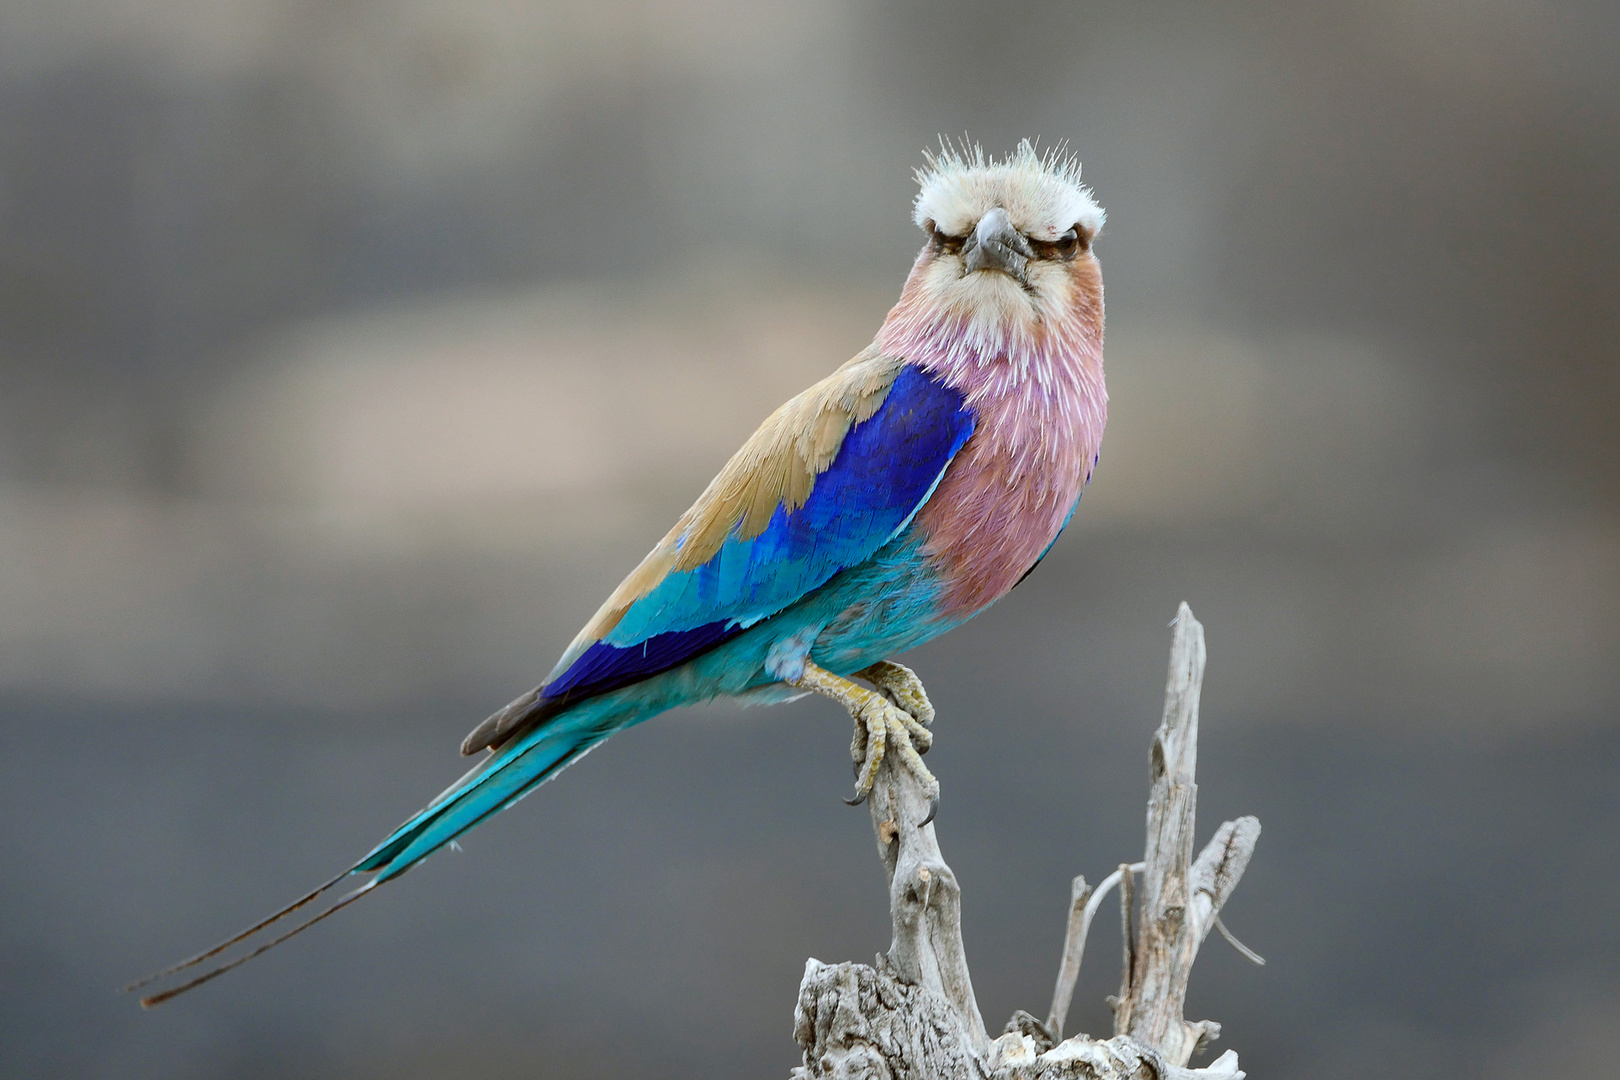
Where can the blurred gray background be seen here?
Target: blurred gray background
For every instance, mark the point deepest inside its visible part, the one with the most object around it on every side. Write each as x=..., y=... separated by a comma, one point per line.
x=350, y=352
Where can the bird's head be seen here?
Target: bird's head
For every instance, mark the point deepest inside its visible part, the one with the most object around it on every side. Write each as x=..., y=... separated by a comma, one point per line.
x=1009, y=243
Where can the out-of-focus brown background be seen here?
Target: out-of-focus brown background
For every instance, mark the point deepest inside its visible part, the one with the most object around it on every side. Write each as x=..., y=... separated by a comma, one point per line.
x=349, y=353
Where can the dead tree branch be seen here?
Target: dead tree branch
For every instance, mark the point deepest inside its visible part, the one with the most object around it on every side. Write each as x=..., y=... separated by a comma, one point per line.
x=912, y=1014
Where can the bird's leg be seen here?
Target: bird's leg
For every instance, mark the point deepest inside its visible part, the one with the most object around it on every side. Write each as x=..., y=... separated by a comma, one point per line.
x=880, y=726
x=900, y=685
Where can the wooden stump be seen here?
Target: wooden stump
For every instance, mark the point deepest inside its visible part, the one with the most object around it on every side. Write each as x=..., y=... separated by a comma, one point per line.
x=912, y=1016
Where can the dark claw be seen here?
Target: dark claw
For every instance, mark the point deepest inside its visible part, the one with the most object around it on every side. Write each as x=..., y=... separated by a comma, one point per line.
x=933, y=808
x=857, y=800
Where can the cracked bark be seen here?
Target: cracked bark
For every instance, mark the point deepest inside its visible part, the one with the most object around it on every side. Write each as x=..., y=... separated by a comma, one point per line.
x=911, y=1015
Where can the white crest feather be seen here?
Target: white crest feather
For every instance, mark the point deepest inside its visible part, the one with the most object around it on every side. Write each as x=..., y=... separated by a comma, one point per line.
x=1041, y=193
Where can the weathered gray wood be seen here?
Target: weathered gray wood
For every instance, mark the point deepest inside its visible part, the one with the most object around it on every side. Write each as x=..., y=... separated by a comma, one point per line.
x=1180, y=898
x=1151, y=1011
x=1074, y=941
x=925, y=903
x=1074, y=950
x=912, y=1014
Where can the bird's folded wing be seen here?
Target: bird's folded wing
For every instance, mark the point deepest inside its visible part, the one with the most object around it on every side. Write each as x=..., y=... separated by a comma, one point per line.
x=828, y=479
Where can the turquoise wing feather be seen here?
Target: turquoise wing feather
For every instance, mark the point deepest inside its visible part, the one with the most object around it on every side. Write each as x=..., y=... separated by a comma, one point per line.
x=883, y=471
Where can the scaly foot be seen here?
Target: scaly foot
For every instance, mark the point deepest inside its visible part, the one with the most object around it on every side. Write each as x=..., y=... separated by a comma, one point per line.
x=880, y=726
x=900, y=685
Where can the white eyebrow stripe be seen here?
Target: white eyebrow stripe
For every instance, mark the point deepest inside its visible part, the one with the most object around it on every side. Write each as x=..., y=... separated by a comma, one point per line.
x=1042, y=195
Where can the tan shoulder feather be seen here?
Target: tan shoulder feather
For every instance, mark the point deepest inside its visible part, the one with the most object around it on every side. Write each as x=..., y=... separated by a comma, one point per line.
x=778, y=465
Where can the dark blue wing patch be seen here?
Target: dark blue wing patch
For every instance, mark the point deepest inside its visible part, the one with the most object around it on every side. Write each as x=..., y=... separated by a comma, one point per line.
x=884, y=472
x=604, y=667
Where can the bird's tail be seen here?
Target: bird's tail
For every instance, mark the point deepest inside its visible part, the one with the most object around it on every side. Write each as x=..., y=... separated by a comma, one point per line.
x=494, y=784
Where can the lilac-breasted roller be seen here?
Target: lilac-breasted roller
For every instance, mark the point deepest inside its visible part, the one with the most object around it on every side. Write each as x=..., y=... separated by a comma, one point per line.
x=893, y=500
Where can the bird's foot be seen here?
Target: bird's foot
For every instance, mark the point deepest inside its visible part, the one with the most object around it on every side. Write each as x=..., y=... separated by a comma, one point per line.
x=880, y=727
x=901, y=686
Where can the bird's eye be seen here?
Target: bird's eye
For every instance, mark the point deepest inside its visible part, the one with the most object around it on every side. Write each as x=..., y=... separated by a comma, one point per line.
x=944, y=241
x=1065, y=247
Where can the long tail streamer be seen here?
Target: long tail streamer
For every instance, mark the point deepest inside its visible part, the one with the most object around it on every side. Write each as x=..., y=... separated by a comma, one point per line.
x=157, y=999
x=193, y=961
x=494, y=784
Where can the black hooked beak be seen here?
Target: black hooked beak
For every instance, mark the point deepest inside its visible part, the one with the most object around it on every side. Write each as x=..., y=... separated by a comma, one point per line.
x=996, y=245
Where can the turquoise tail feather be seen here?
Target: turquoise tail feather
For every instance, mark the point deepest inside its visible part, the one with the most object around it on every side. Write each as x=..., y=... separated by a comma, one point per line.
x=493, y=785
x=497, y=782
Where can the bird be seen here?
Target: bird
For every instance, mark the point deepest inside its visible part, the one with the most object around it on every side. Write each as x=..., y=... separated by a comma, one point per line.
x=890, y=502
